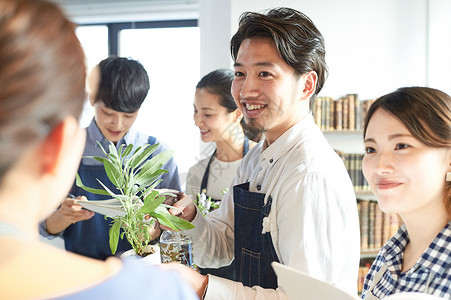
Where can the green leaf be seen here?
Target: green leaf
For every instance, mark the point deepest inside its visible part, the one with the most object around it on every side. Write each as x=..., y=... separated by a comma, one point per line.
x=102, y=148
x=173, y=222
x=151, y=202
x=146, y=179
x=88, y=189
x=121, y=148
x=127, y=150
x=114, y=235
x=114, y=174
x=99, y=159
x=113, y=150
x=107, y=190
x=146, y=152
x=155, y=163
x=129, y=161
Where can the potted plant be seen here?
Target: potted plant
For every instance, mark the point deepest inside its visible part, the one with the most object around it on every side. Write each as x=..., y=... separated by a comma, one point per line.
x=135, y=178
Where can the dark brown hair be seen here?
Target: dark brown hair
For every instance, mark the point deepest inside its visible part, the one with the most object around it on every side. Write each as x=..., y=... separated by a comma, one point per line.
x=425, y=112
x=42, y=75
x=298, y=41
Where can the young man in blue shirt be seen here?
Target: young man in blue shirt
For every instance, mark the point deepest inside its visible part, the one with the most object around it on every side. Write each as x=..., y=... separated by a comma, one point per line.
x=118, y=88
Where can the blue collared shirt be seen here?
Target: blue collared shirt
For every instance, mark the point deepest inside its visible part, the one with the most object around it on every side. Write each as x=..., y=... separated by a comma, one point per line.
x=431, y=274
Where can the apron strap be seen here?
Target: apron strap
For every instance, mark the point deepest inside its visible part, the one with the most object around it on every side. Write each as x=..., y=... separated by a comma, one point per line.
x=204, y=182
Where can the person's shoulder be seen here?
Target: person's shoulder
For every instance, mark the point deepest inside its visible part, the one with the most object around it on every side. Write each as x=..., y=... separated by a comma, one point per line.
x=136, y=279
x=154, y=282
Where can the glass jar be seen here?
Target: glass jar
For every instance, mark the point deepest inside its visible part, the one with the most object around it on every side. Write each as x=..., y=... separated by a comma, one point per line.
x=175, y=246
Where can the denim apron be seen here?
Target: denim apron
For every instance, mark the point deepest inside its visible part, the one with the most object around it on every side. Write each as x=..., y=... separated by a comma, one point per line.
x=227, y=272
x=254, y=250
x=91, y=237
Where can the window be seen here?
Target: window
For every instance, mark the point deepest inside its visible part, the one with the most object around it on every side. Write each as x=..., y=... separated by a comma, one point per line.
x=171, y=58
x=170, y=53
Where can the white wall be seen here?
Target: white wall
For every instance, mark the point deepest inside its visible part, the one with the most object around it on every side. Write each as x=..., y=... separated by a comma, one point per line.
x=439, y=45
x=373, y=46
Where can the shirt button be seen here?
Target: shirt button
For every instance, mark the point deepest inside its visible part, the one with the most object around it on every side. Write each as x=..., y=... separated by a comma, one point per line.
x=271, y=160
x=259, y=187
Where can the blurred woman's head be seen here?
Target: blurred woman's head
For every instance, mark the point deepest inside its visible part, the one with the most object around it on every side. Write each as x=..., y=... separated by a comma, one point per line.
x=408, y=144
x=42, y=78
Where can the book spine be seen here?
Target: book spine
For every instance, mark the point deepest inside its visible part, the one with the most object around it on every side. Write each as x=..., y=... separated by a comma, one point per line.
x=318, y=104
x=358, y=113
x=345, y=114
x=359, y=172
x=332, y=114
x=364, y=225
x=371, y=232
x=327, y=114
x=339, y=114
x=394, y=224
x=386, y=228
x=351, y=108
x=378, y=227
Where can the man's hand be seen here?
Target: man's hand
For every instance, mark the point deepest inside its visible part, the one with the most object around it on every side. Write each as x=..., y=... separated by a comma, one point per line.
x=68, y=213
x=185, y=210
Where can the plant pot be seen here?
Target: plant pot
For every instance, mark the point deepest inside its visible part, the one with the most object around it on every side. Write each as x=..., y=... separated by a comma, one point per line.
x=152, y=259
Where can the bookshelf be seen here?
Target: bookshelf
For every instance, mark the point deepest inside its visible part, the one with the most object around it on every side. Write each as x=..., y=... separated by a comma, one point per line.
x=341, y=121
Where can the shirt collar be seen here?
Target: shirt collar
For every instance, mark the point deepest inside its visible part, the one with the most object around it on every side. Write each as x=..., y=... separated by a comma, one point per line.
x=293, y=136
x=96, y=135
x=435, y=258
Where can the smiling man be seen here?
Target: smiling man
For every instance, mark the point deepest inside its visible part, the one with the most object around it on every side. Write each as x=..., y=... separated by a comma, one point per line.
x=118, y=87
x=291, y=200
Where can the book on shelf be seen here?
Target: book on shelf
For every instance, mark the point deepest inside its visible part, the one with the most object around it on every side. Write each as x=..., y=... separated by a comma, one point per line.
x=364, y=214
x=376, y=227
x=364, y=268
x=351, y=114
x=371, y=227
x=338, y=114
x=378, y=219
x=344, y=113
x=353, y=163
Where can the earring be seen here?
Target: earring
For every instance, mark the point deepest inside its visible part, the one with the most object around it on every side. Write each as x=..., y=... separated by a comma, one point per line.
x=448, y=176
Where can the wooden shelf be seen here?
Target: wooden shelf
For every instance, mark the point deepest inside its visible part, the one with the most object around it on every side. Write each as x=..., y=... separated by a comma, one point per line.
x=368, y=253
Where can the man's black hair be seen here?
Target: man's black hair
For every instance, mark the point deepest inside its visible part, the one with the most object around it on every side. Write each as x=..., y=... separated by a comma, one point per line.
x=123, y=85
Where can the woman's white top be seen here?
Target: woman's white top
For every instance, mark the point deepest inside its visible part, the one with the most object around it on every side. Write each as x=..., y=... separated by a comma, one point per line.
x=220, y=177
